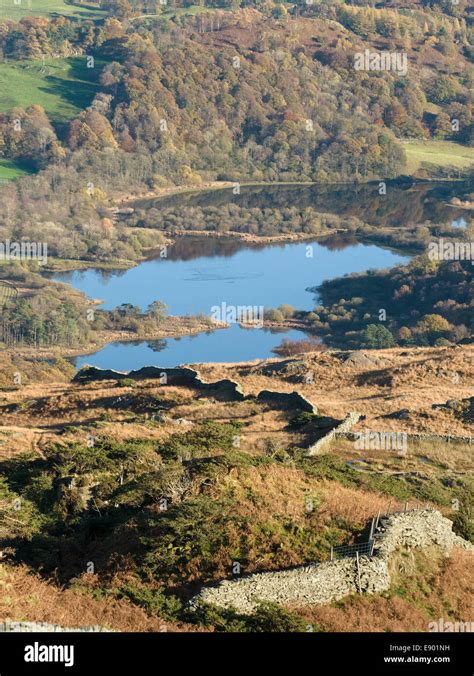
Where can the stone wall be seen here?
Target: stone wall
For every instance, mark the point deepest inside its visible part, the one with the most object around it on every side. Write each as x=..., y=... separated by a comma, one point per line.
x=10, y=626
x=226, y=388
x=287, y=400
x=346, y=425
x=416, y=529
x=306, y=585
x=330, y=581
x=173, y=376
x=449, y=438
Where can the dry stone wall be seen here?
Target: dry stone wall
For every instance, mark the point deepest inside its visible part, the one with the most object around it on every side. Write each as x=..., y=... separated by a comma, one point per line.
x=417, y=529
x=10, y=626
x=227, y=388
x=174, y=376
x=416, y=437
x=347, y=424
x=325, y=582
x=307, y=585
x=287, y=400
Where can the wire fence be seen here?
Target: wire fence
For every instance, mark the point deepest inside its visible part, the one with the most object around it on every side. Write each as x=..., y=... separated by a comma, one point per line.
x=351, y=551
x=367, y=548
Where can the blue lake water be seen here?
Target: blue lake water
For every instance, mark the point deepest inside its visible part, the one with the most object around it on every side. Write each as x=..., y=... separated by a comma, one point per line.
x=212, y=274
x=225, y=345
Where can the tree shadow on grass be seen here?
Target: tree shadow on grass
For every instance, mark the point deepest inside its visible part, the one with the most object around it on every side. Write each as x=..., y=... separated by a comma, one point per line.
x=77, y=89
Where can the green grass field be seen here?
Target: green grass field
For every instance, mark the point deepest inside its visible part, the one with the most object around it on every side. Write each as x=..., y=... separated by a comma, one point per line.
x=439, y=154
x=186, y=11
x=176, y=12
x=62, y=87
x=10, y=10
x=10, y=170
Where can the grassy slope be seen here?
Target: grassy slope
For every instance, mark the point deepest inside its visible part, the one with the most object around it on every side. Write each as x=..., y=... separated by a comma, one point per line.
x=437, y=153
x=254, y=506
x=9, y=10
x=63, y=87
x=10, y=170
x=42, y=601
x=185, y=11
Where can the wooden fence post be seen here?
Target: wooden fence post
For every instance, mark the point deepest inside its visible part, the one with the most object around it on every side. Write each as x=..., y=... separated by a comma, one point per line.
x=372, y=527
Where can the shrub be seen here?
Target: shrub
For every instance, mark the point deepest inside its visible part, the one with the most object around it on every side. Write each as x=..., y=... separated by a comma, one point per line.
x=378, y=337
x=154, y=601
x=301, y=420
x=270, y=617
x=208, y=439
x=126, y=382
x=463, y=523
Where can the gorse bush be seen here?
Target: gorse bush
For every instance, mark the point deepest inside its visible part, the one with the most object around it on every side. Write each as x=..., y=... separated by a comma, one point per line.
x=267, y=617
x=208, y=439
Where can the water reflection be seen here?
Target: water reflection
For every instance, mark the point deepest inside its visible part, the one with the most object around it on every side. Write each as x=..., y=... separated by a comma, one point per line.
x=403, y=205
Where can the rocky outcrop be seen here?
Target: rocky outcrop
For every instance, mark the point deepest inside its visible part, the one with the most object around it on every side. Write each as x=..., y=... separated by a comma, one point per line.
x=291, y=370
x=363, y=359
x=325, y=582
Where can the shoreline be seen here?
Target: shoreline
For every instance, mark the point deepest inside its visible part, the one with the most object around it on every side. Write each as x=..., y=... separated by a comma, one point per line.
x=71, y=265
x=174, y=327
x=104, y=338
x=172, y=190
x=250, y=238
x=170, y=238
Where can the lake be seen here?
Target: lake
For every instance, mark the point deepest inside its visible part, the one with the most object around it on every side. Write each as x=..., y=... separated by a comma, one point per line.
x=200, y=274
